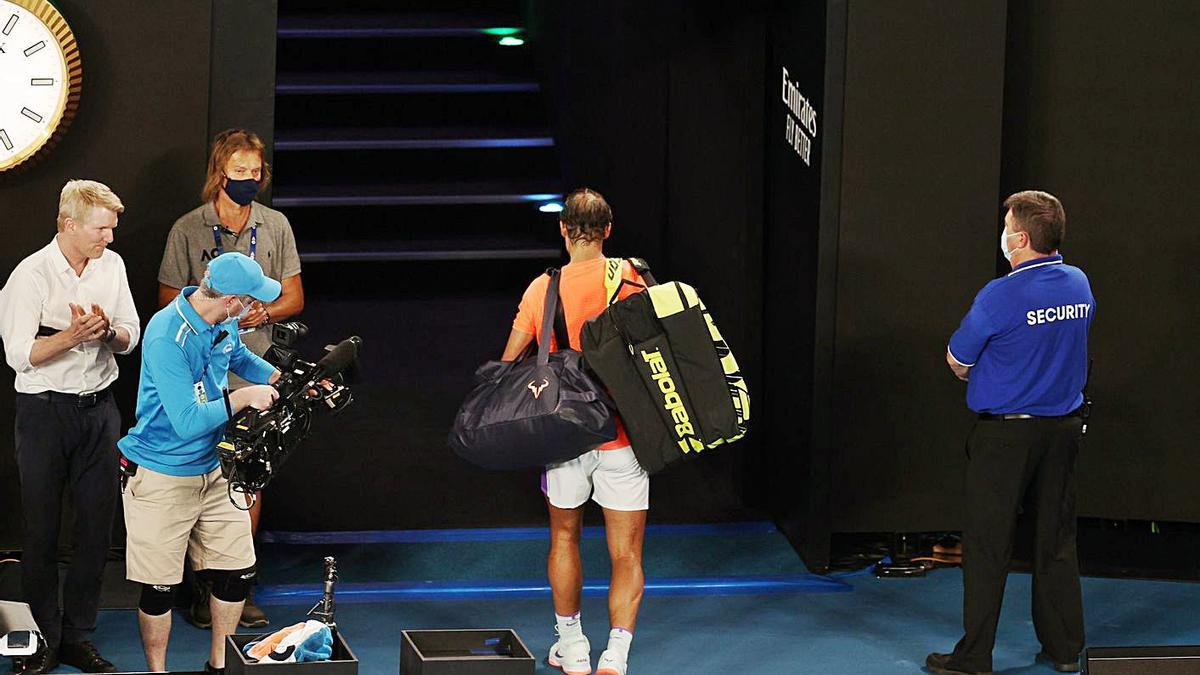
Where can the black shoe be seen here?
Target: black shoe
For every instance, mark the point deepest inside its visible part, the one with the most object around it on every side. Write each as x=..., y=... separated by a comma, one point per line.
x=1062, y=667
x=84, y=656
x=200, y=615
x=942, y=665
x=44, y=661
x=252, y=616
x=209, y=668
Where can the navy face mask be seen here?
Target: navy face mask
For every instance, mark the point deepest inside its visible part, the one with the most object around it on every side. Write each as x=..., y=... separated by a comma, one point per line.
x=242, y=192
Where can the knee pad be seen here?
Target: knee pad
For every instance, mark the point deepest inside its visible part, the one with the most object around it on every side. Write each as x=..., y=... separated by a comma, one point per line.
x=157, y=599
x=232, y=585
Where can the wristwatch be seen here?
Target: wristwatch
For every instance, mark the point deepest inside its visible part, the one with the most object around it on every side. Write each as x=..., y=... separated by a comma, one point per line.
x=110, y=335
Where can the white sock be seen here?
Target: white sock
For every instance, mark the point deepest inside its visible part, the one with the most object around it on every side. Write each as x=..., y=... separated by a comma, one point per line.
x=619, y=640
x=569, y=627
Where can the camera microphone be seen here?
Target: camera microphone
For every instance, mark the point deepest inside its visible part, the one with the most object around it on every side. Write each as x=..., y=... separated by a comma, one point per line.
x=338, y=358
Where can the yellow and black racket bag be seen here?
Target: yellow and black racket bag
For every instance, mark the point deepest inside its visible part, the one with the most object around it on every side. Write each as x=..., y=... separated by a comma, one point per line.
x=672, y=376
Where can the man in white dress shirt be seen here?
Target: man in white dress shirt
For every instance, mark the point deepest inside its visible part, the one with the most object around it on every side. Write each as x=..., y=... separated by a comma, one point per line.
x=64, y=312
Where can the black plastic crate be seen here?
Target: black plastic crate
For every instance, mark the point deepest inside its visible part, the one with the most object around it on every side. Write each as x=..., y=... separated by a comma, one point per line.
x=497, y=651
x=341, y=662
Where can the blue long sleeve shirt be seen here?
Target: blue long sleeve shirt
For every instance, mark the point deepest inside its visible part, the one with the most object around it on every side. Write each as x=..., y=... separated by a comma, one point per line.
x=181, y=409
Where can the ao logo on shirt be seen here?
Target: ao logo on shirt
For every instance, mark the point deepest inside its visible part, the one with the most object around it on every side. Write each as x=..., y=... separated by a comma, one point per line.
x=207, y=254
x=1061, y=313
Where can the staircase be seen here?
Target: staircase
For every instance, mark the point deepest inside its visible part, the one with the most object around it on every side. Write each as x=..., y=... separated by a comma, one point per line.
x=407, y=132
x=411, y=156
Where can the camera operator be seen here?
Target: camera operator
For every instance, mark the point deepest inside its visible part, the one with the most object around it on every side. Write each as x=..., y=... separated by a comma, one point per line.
x=175, y=497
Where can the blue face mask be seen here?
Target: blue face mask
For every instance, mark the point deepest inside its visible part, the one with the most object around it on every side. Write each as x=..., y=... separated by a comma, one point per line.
x=242, y=192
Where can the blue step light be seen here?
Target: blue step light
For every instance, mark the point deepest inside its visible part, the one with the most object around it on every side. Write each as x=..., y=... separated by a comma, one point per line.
x=551, y=207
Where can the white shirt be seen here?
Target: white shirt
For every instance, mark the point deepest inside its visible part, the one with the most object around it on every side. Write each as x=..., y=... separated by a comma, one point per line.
x=39, y=292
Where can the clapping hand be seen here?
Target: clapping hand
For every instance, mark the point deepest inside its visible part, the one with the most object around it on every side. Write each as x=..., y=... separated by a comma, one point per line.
x=86, y=327
x=99, y=311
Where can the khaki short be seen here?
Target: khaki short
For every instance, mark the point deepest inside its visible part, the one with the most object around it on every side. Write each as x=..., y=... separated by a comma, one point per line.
x=168, y=516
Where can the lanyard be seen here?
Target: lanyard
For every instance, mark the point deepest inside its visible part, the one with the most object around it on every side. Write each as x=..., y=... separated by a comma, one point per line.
x=221, y=248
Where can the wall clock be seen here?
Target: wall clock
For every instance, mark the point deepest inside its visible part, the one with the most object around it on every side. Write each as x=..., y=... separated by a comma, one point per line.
x=41, y=76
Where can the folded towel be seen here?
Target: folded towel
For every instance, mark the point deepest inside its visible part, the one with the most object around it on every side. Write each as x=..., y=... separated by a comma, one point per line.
x=260, y=648
x=318, y=646
x=312, y=642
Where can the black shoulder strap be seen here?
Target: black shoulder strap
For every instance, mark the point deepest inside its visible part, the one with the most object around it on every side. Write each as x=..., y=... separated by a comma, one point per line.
x=553, y=319
x=561, y=336
x=548, y=312
x=643, y=268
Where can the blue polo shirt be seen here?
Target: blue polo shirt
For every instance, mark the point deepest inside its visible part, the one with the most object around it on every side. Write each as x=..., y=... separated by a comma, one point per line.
x=181, y=411
x=1025, y=338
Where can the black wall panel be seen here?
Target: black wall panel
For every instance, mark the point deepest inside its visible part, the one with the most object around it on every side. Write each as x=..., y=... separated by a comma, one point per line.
x=1100, y=109
x=920, y=170
x=714, y=222
x=801, y=122
x=242, y=79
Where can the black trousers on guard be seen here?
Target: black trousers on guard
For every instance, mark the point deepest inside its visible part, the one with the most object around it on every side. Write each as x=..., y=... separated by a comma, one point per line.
x=60, y=443
x=1008, y=459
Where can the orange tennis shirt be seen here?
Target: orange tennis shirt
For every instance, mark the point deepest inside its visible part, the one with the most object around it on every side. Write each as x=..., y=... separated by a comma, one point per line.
x=582, y=291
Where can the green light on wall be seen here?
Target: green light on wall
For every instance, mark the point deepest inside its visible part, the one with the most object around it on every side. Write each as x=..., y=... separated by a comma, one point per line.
x=501, y=32
x=511, y=41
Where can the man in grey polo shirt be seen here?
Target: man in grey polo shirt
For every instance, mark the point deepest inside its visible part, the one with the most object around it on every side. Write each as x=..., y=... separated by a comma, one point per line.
x=230, y=220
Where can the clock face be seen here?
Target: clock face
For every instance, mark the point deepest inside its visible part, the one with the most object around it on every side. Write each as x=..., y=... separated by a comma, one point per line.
x=40, y=78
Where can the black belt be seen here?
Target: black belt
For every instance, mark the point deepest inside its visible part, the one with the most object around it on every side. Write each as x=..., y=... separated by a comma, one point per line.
x=77, y=400
x=1025, y=416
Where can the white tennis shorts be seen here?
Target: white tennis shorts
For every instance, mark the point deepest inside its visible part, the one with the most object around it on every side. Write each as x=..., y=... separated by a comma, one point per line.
x=612, y=478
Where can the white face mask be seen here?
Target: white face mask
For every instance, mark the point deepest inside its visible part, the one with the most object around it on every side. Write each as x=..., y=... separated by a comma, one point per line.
x=1008, y=253
x=242, y=314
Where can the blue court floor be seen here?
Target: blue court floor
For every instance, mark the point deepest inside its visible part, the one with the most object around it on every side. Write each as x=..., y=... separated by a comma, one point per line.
x=732, y=600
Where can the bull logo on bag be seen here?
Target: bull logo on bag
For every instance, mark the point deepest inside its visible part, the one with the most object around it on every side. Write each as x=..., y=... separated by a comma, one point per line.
x=537, y=388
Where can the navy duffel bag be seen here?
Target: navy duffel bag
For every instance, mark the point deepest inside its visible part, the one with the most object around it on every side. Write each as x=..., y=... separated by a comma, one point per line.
x=534, y=411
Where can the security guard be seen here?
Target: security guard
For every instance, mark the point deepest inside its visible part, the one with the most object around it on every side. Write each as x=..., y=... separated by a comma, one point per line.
x=1022, y=349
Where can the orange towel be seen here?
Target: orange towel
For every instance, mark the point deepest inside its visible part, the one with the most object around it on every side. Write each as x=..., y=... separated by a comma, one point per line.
x=264, y=647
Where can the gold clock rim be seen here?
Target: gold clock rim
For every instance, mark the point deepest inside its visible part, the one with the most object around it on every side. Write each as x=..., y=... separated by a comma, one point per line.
x=68, y=100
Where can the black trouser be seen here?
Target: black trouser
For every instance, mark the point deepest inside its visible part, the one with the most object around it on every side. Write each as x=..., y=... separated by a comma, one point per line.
x=1007, y=459
x=60, y=443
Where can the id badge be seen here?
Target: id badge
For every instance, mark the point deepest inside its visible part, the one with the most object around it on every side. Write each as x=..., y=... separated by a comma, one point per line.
x=200, y=392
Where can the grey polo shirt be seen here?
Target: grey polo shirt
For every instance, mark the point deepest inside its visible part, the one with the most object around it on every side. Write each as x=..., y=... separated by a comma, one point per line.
x=190, y=246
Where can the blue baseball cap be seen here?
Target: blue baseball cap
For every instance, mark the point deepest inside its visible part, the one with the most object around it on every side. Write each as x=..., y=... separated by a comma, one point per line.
x=237, y=274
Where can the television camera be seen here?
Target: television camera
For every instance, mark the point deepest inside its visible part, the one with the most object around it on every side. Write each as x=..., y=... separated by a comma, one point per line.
x=257, y=442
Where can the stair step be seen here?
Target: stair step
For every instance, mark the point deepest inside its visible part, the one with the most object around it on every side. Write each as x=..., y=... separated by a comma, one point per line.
x=490, y=110
x=429, y=255
x=484, y=223
x=403, y=195
x=343, y=26
x=409, y=138
x=479, y=7
x=337, y=56
x=401, y=83
x=391, y=247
